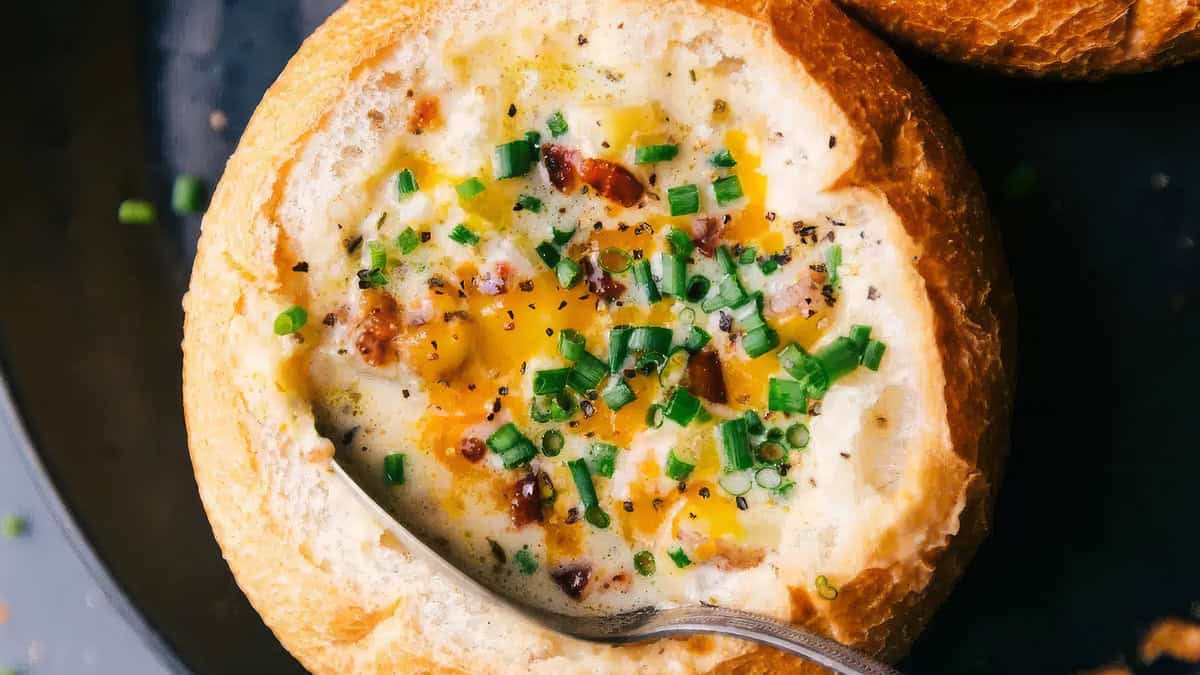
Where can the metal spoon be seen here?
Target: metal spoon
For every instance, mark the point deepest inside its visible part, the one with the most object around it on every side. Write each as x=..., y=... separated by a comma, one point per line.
x=646, y=623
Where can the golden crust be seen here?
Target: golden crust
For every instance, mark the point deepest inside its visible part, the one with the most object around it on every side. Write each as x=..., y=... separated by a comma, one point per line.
x=1067, y=38
x=909, y=154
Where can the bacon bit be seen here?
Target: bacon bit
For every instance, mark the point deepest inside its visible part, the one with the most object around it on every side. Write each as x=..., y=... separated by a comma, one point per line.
x=706, y=233
x=378, y=329
x=494, y=283
x=526, y=505
x=472, y=449
x=613, y=182
x=730, y=556
x=573, y=579
x=424, y=115
x=600, y=282
x=800, y=295
x=705, y=378
x=562, y=165
x=620, y=582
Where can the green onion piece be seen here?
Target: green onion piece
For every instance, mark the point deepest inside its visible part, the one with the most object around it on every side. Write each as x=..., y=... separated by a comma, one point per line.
x=557, y=124
x=408, y=241
x=826, y=590
x=759, y=341
x=563, y=406
x=535, y=142
x=12, y=526
x=747, y=256
x=291, y=320
x=754, y=423
x=839, y=357
x=187, y=195
x=539, y=408
x=677, y=469
x=513, y=159
x=682, y=408
x=377, y=253
x=641, y=274
x=681, y=243
x=873, y=354
x=618, y=347
x=650, y=339
x=785, y=489
x=696, y=339
x=770, y=452
x=643, y=562
x=462, y=235
x=571, y=344
x=649, y=362
x=797, y=436
x=833, y=260
x=617, y=394
x=561, y=237
x=548, y=254
x=679, y=557
x=546, y=492
x=787, y=396
x=768, y=477
x=722, y=160
x=725, y=260
x=518, y=455
x=615, y=260
x=469, y=189
x=568, y=273
x=649, y=154
x=768, y=266
x=806, y=368
x=674, y=274
x=729, y=294
x=684, y=200
x=727, y=190
x=735, y=445
x=406, y=183
x=550, y=381
x=587, y=373
x=748, y=313
x=582, y=476
x=530, y=203
x=526, y=563
x=654, y=416
x=372, y=278
x=860, y=335
x=603, y=459
x=552, y=442
x=393, y=469
x=736, y=483
x=775, y=434
x=596, y=516
x=504, y=438
x=671, y=373
x=136, y=212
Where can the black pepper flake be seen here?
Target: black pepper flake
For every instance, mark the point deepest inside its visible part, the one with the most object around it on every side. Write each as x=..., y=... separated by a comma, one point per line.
x=471, y=387
x=523, y=366
x=819, y=268
x=726, y=219
x=621, y=227
x=657, y=504
x=353, y=244
x=343, y=352
x=705, y=493
x=653, y=179
x=301, y=266
x=581, y=40
x=573, y=423
x=604, y=144
x=496, y=405
x=510, y=314
x=584, y=190
x=583, y=297
x=638, y=253
x=526, y=286
x=784, y=469
x=590, y=434
x=512, y=109
x=835, y=222
x=827, y=294
x=531, y=306
x=491, y=416
x=814, y=409
x=597, y=225
x=692, y=74
x=771, y=216
x=457, y=314
x=845, y=455
x=518, y=207
x=872, y=293
x=426, y=236
x=562, y=303
x=497, y=551
x=832, y=141
x=434, y=343
x=628, y=506
x=405, y=393
x=741, y=503
x=549, y=332
x=629, y=372
x=436, y=282
x=682, y=487
x=572, y=515
x=587, y=408
x=348, y=437
x=330, y=319
x=830, y=236
x=691, y=515
x=725, y=322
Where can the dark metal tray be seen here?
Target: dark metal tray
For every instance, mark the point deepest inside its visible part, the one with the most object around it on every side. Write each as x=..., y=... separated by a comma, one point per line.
x=1093, y=187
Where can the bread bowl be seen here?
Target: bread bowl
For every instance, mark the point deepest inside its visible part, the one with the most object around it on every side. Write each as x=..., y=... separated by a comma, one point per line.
x=1066, y=38
x=382, y=187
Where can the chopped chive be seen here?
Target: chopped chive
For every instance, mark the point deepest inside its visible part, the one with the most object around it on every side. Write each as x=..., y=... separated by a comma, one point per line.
x=187, y=195
x=725, y=260
x=684, y=200
x=530, y=203
x=563, y=406
x=535, y=143
x=759, y=341
x=754, y=423
x=729, y=294
x=462, y=235
x=672, y=372
x=826, y=590
x=650, y=339
x=696, y=339
x=785, y=489
x=539, y=408
x=768, y=266
x=723, y=159
x=682, y=408
x=377, y=255
x=469, y=189
x=571, y=344
x=649, y=154
x=768, y=477
x=393, y=469
x=860, y=335
x=747, y=256
x=774, y=434
x=406, y=184
x=561, y=237
x=557, y=124
x=550, y=381
x=587, y=373
x=12, y=526
x=727, y=190
x=513, y=159
x=674, y=274
x=797, y=436
x=618, y=347
x=650, y=362
x=617, y=394
x=603, y=459
x=806, y=368
x=735, y=445
x=678, y=557
x=681, y=243
x=614, y=260
x=770, y=452
x=677, y=469
x=408, y=241
x=736, y=483
x=136, y=212
x=526, y=563
x=548, y=254
x=504, y=438
x=291, y=320
x=372, y=278
x=873, y=354
x=643, y=562
x=568, y=273
x=654, y=416
x=582, y=476
x=641, y=274
x=787, y=396
x=833, y=261
x=839, y=358
x=518, y=455
x=596, y=516
x=552, y=442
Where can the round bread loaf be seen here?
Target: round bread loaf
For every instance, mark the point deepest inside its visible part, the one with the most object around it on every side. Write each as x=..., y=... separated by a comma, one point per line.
x=444, y=212
x=1066, y=38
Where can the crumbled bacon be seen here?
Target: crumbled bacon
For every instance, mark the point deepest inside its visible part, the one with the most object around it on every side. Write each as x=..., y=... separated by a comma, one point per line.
x=613, y=182
x=731, y=556
x=495, y=282
x=705, y=378
x=380, y=325
x=526, y=505
x=472, y=449
x=573, y=579
x=801, y=296
x=706, y=232
x=562, y=165
x=424, y=115
x=600, y=282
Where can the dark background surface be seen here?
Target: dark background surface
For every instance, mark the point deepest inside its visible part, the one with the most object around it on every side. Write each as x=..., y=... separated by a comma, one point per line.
x=1094, y=188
